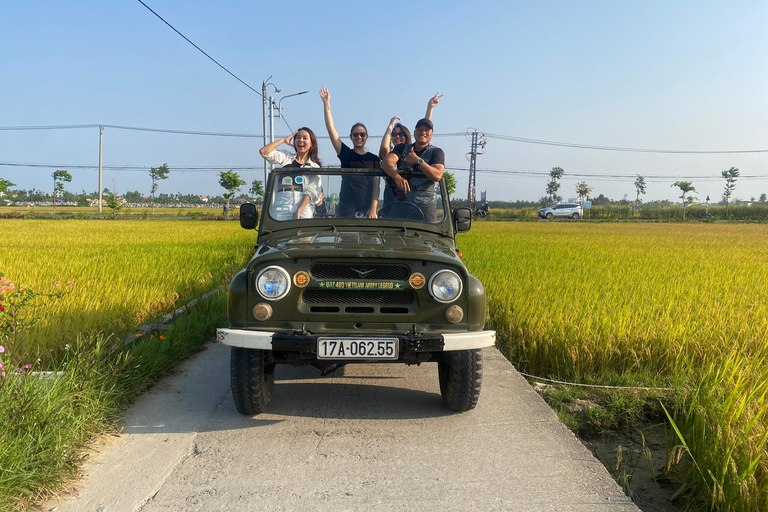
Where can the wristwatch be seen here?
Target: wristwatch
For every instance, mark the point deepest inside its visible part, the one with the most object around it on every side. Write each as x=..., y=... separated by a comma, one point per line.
x=421, y=161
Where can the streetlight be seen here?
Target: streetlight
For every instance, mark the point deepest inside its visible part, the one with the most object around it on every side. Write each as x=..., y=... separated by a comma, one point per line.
x=279, y=116
x=264, y=85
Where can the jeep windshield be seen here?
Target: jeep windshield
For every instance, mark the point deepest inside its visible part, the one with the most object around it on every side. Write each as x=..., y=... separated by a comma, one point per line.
x=332, y=193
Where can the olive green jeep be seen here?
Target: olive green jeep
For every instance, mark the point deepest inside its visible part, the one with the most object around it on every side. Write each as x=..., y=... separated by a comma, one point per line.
x=340, y=286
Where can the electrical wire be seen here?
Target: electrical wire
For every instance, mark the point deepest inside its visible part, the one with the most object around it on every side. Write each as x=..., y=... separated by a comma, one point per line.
x=200, y=49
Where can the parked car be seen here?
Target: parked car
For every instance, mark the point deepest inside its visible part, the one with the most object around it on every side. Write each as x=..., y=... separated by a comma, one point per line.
x=572, y=210
x=331, y=291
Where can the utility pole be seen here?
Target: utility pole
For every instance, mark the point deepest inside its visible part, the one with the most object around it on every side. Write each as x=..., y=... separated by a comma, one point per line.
x=271, y=126
x=101, y=138
x=264, y=104
x=472, y=171
x=478, y=142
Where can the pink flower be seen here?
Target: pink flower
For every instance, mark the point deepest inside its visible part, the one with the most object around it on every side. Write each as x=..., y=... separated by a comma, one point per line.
x=70, y=283
x=3, y=374
x=2, y=349
x=2, y=366
x=27, y=366
x=56, y=283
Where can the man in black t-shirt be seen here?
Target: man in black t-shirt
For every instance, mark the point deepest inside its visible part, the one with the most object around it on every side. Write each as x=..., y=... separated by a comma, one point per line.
x=414, y=169
x=359, y=195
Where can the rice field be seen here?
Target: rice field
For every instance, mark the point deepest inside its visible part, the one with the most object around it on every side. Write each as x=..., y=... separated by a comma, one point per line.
x=681, y=305
x=678, y=305
x=122, y=273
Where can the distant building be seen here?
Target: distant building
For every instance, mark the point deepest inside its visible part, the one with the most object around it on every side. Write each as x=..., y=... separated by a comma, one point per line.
x=204, y=199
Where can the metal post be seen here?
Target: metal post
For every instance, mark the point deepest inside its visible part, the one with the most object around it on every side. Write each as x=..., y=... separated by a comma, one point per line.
x=264, y=102
x=271, y=125
x=101, y=138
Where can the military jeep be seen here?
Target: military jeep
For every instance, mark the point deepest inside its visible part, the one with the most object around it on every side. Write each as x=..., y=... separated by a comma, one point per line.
x=329, y=291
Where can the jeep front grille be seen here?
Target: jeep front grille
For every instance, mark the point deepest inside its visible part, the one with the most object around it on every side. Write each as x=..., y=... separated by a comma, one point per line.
x=367, y=272
x=380, y=297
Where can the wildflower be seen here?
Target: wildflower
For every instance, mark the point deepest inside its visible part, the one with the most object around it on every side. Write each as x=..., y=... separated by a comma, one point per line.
x=70, y=283
x=162, y=337
x=66, y=347
x=27, y=366
x=38, y=360
x=2, y=349
x=138, y=335
x=2, y=366
x=152, y=336
x=3, y=374
x=1, y=307
x=56, y=283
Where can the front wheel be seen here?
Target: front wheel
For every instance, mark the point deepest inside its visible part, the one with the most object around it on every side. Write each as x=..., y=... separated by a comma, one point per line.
x=549, y=215
x=575, y=215
x=460, y=378
x=253, y=377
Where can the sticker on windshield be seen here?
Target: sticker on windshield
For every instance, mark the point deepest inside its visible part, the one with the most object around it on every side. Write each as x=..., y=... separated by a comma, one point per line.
x=299, y=180
x=287, y=180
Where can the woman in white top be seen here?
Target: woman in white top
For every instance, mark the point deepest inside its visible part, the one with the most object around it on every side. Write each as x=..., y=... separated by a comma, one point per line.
x=295, y=196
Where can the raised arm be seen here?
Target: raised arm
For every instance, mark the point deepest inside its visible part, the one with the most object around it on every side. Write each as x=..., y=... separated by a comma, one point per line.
x=332, y=133
x=387, y=138
x=431, y=104
x=266, y=150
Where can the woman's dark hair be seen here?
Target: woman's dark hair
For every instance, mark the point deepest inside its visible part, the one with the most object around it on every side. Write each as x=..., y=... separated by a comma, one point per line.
x=406, y=131
x=355, y=126
x=313, y=150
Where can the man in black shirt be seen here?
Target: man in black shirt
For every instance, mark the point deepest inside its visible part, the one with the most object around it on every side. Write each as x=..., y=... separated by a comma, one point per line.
x=414, y=169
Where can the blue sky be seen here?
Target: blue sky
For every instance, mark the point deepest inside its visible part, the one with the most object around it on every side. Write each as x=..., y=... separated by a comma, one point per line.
x=661, y=75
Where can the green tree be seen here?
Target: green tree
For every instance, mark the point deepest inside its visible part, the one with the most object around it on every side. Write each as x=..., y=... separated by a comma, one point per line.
x=450, y=183
x=5, y=185
x=157, y=174
x=59, y=177
x=730, y=185
x=113, y=204
x=640, y=187
x=583, y=191
x=231, y=182
x=685, y=187
x=257, y=191
x=763, y=198
x=553, y=184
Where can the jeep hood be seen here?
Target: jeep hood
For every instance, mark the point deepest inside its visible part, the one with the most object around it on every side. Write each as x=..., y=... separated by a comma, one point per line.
x=327, y=243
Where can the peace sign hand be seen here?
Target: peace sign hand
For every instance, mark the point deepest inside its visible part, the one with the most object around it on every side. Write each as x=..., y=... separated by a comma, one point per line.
x=435, y=99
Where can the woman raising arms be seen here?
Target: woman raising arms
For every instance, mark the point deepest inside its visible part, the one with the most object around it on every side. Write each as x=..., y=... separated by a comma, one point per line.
x=398, y=134
x=296, y=199
x=359, y=195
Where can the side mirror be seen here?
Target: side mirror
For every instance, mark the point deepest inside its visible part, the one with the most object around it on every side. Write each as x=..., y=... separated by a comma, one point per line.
x=462, y=219
x=249, y=216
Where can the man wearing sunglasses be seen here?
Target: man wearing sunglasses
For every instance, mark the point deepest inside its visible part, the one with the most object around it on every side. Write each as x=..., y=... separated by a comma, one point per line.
x=414, y=169
x=359, y=195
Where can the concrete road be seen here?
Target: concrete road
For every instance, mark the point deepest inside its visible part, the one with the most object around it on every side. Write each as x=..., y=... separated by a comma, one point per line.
x=376, y=438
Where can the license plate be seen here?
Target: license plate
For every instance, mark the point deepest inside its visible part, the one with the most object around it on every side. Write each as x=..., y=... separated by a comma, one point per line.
x=360, y=348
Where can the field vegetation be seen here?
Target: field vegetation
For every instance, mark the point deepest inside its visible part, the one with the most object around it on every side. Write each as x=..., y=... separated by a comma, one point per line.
x=668, y=305
x=116, y=275
x=680, y=306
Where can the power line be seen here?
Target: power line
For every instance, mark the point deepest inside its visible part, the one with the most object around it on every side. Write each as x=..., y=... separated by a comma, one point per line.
x=511, y=173
x=615, y=148
x=201, y=51
x=454, y=134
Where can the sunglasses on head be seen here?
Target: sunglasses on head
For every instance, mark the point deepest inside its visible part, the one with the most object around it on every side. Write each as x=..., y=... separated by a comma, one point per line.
x=359, y=134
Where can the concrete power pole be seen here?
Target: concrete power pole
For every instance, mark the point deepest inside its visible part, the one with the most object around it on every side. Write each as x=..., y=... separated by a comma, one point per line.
x=477, y=147
x=472, y=171
x=101, y=139
x=264, y=106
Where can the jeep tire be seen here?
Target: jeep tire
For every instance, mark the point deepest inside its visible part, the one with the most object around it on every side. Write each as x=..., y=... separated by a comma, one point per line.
x=253, y=378
x=549, y=215
x=461, y=375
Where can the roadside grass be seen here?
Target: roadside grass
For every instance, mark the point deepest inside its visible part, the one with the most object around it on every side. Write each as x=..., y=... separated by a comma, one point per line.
x=48, y=421
x=655, y=305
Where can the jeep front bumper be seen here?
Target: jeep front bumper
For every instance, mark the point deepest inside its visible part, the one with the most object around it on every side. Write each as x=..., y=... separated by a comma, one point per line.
x=267, y=340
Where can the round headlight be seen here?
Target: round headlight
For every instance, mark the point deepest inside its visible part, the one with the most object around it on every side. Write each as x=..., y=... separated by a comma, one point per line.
x=445, y=286
x=273, y=283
